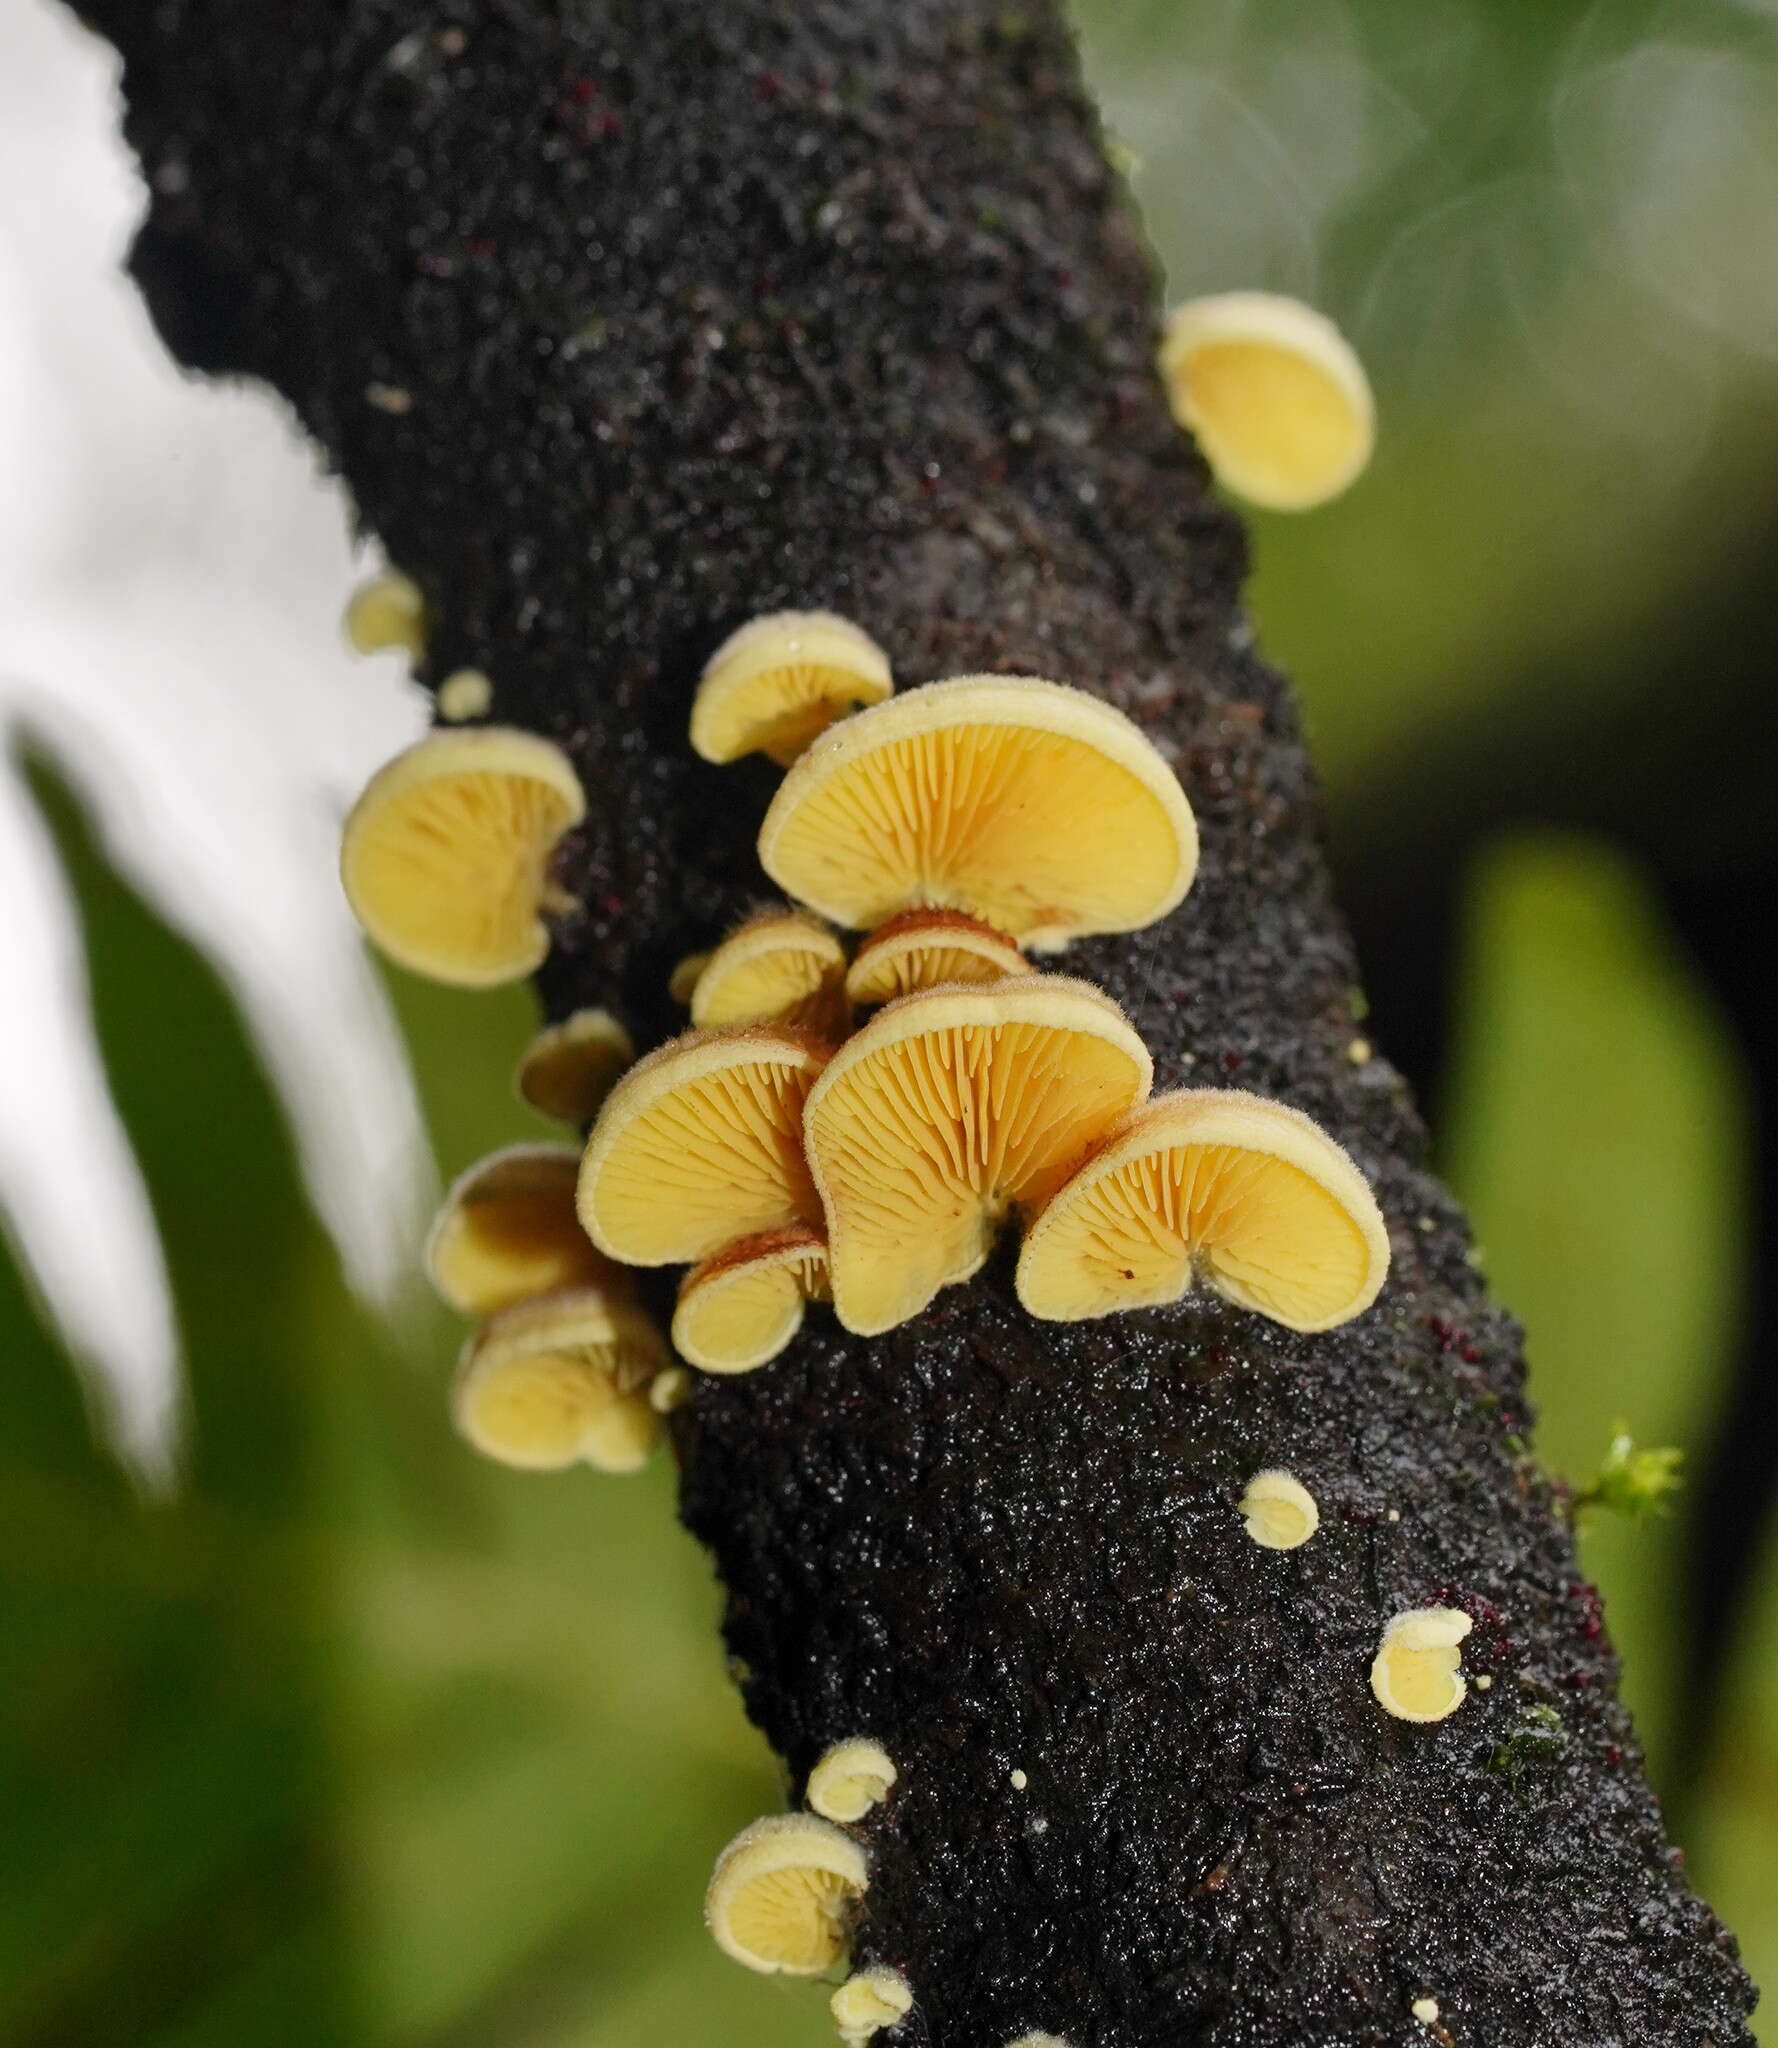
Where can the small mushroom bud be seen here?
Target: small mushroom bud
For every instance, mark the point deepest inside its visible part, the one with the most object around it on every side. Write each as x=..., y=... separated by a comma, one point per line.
x=1035, y=808
x=465, y=694
x=669, y=1390
x=782, y=1894
x=739, y=1309
x=683, y=981
x=507, y=1231
x=930, y=949
x=445, y=856
x=947, y=1111
x=782, y=967
x=700, y=1144
x=850, y=1779
x=388, y=611
x=562, y=1381
x=1245, y=1195
x=781, y=681
x=569, y=1068
x=1417, y=1675
x=1278, y=402
x=1280, y=1511
x=867, y=2003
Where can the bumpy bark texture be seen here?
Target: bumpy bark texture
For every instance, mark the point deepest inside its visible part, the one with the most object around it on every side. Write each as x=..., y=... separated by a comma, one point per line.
x=624, y=320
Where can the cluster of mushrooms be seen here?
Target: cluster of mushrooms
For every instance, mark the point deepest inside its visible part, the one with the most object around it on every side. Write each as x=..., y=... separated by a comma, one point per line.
x=853, y=1120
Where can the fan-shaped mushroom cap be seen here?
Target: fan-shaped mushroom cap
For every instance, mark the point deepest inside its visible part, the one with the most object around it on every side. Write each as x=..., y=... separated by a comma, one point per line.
x=850, y=1779
x=739, y=1309
x=782, y=1894
x=1417, y=1675
x=387, y=611
x=700, y=1144
x=781, y=681
x=928, y=949
x=507, y=1231
x=1247, y=1195
x=445, y=854
x=781, y=967
x=949, y=1108
x=569, y=1068
x=561, y=1381
x=868, y=2002
x=1279, y=403
x=1279, y=1510
x=1033, y=807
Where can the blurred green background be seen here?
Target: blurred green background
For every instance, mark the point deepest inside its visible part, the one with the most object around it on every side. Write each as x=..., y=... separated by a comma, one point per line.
x=357, y=1740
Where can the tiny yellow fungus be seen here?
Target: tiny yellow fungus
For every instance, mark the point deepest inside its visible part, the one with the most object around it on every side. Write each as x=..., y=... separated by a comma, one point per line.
x=928, y=949
x=1280, y=1510
x=1278, y=402
x=1483, y=1683
x=466, y=694
x=561, y=1381
x=868, y=2002
x=507, y=1231
x=569, y=1068
x=669, y=1390
x=1246, y=1195
x=947, y=1111
x=1033, y=807
x=700, y=1144
x=1425, y=2010
x=850, y=1779
x=388, y=611
x=682, y=983
x=445, y=856
x=1359, y=1051
x=740, y=1308
x=1393, y=1515
x=1019, y=1781
x=781, y=681
x=1416, y=1675
x=782, y=1894
x=781, y=967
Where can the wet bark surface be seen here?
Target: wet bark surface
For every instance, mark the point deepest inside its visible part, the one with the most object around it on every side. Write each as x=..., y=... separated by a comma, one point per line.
x=623, y=323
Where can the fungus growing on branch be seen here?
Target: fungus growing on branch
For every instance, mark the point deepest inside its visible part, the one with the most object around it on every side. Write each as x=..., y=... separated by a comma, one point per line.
x=700, y=1144
x=1416, y=1674
x=867, y=2003
x=1272, y=391
x=507, y=1231
x=951, y=1108
x=1246, y=1195
x=560, y=1381
x=465, y=694
x=569, y=1068
x=387, y=611
x=782, y=1893
x=929, y=949
x=781, y=681
x=781, y=967
x=1033, y=807
x=739, y=1309
x=445, y=856
x=1279, y=1510
x=850, y=1779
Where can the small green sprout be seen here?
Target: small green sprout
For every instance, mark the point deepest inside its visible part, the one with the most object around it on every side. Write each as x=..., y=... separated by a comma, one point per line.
x=1632, y=1480
x=1532, y=1748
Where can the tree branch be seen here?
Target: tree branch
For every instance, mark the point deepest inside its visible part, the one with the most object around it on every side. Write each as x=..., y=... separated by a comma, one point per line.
x=625, y=322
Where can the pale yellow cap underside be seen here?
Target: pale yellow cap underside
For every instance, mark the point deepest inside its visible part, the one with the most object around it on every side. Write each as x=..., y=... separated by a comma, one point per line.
x=507, y=1231
x=782, y=1892
x=739, y=1309
x=1278, y=401
x=569, y=1068
x=561, y=1381
x=1280, y=1511
x=785, y=967
x=867, y=2003
x=1034, y=807
x=923, y=955
x=781, y=681
x=850, y=1779
x=1416, y=1675
x=444, y=856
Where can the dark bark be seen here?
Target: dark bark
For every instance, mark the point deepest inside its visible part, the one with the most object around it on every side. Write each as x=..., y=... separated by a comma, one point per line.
x=701, y=309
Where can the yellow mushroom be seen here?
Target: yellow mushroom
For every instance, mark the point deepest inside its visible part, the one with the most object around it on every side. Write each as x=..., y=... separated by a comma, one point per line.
x=465, y=694
x=561, y=1381
x=387, y=611
x=781, y=967
x=867, y=2003
x=507, y=1231
x=1246, y=1195
x=682, y=983
x=781, y=681
x=569, y=1068
x=740, y=1308
x=782, y=1894
x=1278, y=402
x=927, y=949
x=850, y=1779
x=445, y=856
x=1279, y=1510
x=669, y=1390
x=1033, y=807
x=1416, y=1675
x=949, y=1109
x=700, y=1144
